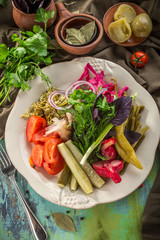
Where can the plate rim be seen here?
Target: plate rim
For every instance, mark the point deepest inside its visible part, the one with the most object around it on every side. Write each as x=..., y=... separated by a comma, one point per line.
x=94, y=203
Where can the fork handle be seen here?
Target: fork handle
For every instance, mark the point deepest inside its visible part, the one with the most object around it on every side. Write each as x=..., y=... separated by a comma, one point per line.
x=37, y=230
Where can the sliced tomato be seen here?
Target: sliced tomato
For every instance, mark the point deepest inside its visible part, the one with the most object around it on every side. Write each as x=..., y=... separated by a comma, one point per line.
x=54, y=169
x=39, y=137
x=37, y=155
x=31, y=162
x=51, y=152
x=34, y=124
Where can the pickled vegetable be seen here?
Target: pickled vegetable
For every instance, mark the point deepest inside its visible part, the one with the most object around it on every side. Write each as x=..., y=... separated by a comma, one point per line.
x=120, y=30
x=125, y=11
x=142, y=25
x=64, y=177
x=95, y=179
x=73, y=183
x=75, y=168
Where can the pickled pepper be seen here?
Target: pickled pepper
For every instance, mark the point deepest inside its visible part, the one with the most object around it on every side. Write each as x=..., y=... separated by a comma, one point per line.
x=124, y=149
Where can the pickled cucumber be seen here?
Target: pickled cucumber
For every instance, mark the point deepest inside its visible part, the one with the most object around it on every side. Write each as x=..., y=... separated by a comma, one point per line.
x=142, y=25
x=75, y=168
x=125, y=11
x=120, y=30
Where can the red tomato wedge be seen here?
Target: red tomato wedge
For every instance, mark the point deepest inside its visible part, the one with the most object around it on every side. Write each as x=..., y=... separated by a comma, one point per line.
x=39, y=137
x=31, y=162
x=34, y=124
x=37, y=155
x=54, y=169
x=51, y=152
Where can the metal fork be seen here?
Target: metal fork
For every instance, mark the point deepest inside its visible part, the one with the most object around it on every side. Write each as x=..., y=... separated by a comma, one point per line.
x=9, y=171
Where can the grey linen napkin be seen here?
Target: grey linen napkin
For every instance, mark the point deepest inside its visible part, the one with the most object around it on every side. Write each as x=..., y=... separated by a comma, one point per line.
x=148, y=77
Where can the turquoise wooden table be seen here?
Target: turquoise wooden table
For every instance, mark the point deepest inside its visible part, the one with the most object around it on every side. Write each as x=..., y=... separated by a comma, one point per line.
x=119, y=220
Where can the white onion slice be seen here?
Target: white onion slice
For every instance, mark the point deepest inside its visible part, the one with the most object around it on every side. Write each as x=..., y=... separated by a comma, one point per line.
x=74, y=85
x=51, y=102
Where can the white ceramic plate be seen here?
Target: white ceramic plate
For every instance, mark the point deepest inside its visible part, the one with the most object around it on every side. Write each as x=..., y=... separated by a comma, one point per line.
x=61, y=74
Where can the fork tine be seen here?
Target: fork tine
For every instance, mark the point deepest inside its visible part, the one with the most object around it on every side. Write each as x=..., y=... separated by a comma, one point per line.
x=4, y=156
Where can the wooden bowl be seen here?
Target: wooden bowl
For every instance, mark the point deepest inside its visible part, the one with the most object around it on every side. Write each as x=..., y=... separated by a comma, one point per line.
x=77, y=22
x=26, y=21
x=64, y=17
x=109, y=18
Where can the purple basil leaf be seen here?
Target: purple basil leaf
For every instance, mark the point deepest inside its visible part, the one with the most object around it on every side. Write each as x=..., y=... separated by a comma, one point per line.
x=122, y=110
x=16, y=3
x=41, y=4
x=23, y=5
x=94, y=109
x=46, y=3
x=132, y=136
x=30, y=2
x=95, y=113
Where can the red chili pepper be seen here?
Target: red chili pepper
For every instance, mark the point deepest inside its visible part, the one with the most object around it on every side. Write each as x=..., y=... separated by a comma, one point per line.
x=108, y=150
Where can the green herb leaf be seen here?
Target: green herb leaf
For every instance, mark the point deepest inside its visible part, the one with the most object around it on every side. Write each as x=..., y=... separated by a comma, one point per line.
x=80, y=36
x=37, y=29
x=74, y=36
x=40, y=15
x=37, y=44
x=16, y=38
x=4, y=52
x=43, y=16
x=28, y=33
x=64, y=221
x=50, y=14
x=45, y=78
x=18, y=52
x=88, y=30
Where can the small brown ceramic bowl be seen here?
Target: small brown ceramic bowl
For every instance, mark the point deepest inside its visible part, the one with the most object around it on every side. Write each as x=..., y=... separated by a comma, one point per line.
x=77, y=22
x=26, y=21
x=109, y=18
x=64, y=17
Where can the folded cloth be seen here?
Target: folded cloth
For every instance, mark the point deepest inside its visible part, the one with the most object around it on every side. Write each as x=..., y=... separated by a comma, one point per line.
x=148, y=77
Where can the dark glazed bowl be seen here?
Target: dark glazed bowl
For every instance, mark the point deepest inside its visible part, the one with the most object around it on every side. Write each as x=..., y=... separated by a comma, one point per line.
x=109, y=18
x=26, y=21
x=65, y=17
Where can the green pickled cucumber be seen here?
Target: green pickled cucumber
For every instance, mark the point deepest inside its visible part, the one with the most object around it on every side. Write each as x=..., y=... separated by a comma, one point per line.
x=95, y=179
x=73, y=183
x=64, y=177
x=75, y=168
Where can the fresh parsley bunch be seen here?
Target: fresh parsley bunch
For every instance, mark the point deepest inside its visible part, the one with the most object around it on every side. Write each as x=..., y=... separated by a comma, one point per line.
x=91, y=114
x=21, y=63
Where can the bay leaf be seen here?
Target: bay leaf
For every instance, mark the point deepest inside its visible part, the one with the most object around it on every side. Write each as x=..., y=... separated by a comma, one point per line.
x=75, y=36
x=64, y=221
x=88, y=30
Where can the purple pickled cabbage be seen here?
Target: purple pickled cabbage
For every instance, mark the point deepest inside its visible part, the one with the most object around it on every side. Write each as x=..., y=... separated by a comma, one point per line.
x=96, y=79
